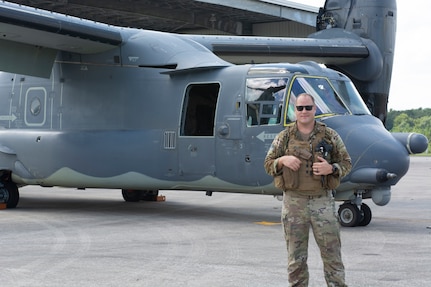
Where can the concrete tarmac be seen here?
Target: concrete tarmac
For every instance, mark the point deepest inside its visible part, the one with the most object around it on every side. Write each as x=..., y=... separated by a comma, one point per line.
x=66, y=237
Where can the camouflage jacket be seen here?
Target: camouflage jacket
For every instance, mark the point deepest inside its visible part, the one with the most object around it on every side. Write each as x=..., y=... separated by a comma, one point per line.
x=339, y=155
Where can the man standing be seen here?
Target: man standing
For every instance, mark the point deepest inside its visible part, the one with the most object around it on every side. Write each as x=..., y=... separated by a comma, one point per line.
x=307, y=161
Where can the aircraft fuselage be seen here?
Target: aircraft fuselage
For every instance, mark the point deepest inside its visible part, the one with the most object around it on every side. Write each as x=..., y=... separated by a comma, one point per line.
x=94, y=124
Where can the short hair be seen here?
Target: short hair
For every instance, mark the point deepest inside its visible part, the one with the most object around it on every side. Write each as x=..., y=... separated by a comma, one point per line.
x=305, y=95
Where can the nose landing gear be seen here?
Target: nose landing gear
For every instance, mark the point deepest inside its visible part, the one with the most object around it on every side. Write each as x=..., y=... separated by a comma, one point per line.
x=351, y=215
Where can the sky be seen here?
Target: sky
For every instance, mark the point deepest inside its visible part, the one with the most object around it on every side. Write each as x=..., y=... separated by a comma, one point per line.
x=412, y=62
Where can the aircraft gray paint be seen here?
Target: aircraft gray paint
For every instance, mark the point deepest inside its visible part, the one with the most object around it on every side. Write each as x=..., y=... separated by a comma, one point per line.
x=87, y=105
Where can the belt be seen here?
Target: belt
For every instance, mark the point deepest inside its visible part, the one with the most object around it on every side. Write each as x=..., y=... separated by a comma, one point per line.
x=325, y=194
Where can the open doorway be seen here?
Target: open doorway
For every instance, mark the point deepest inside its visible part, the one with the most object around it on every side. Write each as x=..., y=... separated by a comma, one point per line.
x=199, y=109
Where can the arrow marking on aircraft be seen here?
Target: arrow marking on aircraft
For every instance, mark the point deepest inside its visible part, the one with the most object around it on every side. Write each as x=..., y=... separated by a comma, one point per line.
x=8, y=118
x=264, y=136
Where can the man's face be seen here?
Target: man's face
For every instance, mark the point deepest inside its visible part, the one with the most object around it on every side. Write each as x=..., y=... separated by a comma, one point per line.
x=305, y=116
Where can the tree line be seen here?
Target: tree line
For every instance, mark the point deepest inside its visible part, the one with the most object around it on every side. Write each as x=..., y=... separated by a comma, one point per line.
x=416, y=120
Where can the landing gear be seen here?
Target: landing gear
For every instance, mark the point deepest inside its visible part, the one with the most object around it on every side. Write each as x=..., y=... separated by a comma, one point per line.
x=131, y=195
x=366, y=212
x=351, y=215
x=9, y=194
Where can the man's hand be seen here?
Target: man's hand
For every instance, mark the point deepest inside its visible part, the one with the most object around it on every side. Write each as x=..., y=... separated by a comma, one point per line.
x=289, y=161
x=322, y=167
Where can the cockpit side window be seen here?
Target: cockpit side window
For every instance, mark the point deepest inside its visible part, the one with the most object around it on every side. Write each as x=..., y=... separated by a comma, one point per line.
x=264, y=100
x=327, y=100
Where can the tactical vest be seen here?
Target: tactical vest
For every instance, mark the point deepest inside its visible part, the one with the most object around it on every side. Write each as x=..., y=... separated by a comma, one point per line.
x=303, y=181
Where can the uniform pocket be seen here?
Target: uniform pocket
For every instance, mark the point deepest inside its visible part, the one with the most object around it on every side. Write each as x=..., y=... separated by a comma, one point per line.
x=290, y=178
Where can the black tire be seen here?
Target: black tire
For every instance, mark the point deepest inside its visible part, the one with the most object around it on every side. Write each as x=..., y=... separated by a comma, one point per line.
x=10, y=193
x=131, y=195
x=367, y=215
x=349, y=214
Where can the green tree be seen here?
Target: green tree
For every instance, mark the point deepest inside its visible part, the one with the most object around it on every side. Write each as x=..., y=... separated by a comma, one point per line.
x=403, y=123
x=414, y=114
x=423, y=125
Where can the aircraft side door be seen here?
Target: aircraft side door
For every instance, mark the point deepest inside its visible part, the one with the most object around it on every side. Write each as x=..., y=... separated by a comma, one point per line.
x=264, y=97
x=196, y=142
x=246, y=126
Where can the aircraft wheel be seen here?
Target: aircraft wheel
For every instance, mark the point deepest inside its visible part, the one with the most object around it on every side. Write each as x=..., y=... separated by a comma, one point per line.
x=9, y=194
x=131, y=195
x=350, y=215
x=366, y=210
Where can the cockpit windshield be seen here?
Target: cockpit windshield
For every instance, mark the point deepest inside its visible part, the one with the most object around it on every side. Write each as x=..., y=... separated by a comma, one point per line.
x=265, y=98
x=350, y=96
x=332, y=98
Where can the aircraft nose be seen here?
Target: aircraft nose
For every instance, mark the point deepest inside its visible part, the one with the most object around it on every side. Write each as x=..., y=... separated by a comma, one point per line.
x=382, y=162
x=377, y=157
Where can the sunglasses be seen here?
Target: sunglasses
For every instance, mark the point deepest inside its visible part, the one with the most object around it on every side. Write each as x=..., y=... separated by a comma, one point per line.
x=300, y=108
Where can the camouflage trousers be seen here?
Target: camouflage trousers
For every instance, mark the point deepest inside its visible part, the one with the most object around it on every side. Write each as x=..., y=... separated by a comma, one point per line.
x=298, y=215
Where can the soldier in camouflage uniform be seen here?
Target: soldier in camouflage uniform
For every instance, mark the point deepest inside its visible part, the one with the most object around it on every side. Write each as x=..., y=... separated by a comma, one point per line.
x=307, y=161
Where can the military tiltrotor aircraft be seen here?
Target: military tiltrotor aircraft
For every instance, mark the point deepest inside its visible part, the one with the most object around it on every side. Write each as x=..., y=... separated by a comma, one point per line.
x=88, y=105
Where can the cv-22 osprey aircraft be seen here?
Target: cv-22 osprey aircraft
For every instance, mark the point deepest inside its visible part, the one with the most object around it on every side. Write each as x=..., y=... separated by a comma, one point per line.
x=88, y=105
